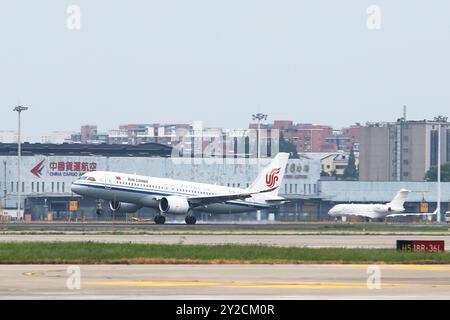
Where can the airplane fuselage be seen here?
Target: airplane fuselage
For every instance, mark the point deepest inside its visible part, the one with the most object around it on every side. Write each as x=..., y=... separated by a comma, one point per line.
x=372, y=211
x=146, y=191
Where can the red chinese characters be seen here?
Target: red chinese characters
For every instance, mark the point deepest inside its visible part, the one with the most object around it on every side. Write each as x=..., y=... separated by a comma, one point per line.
x=72, y=166
x=77, y=166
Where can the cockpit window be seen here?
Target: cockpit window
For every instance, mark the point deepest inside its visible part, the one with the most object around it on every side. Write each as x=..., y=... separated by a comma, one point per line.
x=91, y=179
x=83, y=178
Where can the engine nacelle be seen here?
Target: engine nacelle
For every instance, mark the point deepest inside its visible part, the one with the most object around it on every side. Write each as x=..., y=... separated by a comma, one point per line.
x=173, y=204
x=381, y=208
x=123, y=207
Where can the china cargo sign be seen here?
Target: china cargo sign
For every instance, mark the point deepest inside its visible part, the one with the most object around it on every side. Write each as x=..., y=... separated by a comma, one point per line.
x=64, y=168
x=421, y=245
x=69, y=168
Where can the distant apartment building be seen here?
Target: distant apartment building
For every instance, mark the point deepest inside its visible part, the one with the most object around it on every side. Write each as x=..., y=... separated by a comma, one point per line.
x=401, y=151
x=148, y=133
x=56, y=137
x=334, y=164
x=316, y=138
x=87, y=133
x=306, y=137
x=282, y=124
x=346, y=139
x=10, y=136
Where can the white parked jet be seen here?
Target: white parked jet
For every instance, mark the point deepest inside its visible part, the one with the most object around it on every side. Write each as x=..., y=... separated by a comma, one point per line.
x=130, y=192
x=376, y=211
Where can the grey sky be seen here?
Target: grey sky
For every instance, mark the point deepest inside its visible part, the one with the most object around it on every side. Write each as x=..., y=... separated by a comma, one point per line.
x=219, y=61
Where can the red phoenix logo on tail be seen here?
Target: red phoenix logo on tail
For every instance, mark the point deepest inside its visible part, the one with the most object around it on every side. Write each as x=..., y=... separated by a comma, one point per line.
x=272, y=177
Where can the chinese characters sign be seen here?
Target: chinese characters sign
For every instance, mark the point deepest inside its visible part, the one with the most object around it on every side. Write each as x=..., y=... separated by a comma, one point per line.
x=71, y=168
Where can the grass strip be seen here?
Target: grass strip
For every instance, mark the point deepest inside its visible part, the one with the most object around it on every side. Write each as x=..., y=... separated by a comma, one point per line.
x=119, y=253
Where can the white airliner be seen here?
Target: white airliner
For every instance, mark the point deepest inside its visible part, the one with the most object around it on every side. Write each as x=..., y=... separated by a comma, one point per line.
x=130, y=192
x=376, y=211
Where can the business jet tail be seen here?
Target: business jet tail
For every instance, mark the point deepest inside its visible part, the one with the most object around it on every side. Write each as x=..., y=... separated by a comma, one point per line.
x=271, y=176
x=399, y=199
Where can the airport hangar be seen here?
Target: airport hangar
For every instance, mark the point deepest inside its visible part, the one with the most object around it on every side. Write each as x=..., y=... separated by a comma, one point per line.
x=48, y=170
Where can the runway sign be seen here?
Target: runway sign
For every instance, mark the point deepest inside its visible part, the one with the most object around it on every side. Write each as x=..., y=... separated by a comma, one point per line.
x=421, y=245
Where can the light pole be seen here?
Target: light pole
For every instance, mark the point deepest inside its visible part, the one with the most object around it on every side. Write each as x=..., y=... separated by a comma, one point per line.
x=438, y=216
x=439, y=120
x=4, y=187
x=259, y=117
x=19, y=109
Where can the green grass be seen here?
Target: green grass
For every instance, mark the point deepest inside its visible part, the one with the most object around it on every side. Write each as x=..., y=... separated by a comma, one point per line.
x=97, y=253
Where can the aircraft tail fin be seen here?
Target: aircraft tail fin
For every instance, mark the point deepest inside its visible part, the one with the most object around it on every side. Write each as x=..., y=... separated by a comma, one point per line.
x=270, y=176
x=399, y=199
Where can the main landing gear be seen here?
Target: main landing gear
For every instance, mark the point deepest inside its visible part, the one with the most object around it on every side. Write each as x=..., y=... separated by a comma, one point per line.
x=190, y=220
x=98, y=207
x=160, y=219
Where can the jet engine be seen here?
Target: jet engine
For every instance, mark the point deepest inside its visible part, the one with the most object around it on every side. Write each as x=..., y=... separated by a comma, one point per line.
x=381, y=208
x=174, y=205
x=123, y=207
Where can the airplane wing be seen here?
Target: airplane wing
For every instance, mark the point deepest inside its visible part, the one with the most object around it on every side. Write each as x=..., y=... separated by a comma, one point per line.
x=278, y=201
x=356, y=214
x=359, y=214
x=196, y=201
x=427, y=214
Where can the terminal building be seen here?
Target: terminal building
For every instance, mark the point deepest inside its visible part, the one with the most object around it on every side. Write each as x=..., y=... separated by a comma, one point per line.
x=48, y=170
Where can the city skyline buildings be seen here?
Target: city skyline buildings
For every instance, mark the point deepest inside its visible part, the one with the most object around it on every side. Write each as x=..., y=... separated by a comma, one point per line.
x=306, y=137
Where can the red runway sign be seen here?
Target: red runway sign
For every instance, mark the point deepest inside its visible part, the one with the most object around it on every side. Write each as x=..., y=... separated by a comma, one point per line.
x=421, y=245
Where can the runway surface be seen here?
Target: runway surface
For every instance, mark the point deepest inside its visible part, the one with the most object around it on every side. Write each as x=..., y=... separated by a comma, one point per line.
x=225, y=282
x=282, y=240
x=180, y=225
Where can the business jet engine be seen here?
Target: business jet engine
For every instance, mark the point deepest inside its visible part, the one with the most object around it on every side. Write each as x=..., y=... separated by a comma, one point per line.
x=174, y=205
x=382, y=208
x=123, y=207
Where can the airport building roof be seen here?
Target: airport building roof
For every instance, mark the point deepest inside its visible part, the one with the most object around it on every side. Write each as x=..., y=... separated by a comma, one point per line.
x=382, y=191
x=107, y=150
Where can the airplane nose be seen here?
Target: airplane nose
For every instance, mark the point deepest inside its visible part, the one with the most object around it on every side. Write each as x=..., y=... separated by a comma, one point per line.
x=75, y=188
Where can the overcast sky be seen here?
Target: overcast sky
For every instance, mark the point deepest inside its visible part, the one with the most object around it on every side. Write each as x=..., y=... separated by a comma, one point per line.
x=172, y=61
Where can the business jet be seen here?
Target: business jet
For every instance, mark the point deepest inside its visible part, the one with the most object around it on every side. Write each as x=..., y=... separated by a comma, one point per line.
x=130, y=192
x=376, y=211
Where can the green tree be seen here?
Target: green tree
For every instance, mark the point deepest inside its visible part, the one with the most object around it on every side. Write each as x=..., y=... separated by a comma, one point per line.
x=351, y=172
x=431, y=174
x=324, y=174
x=287, y=146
